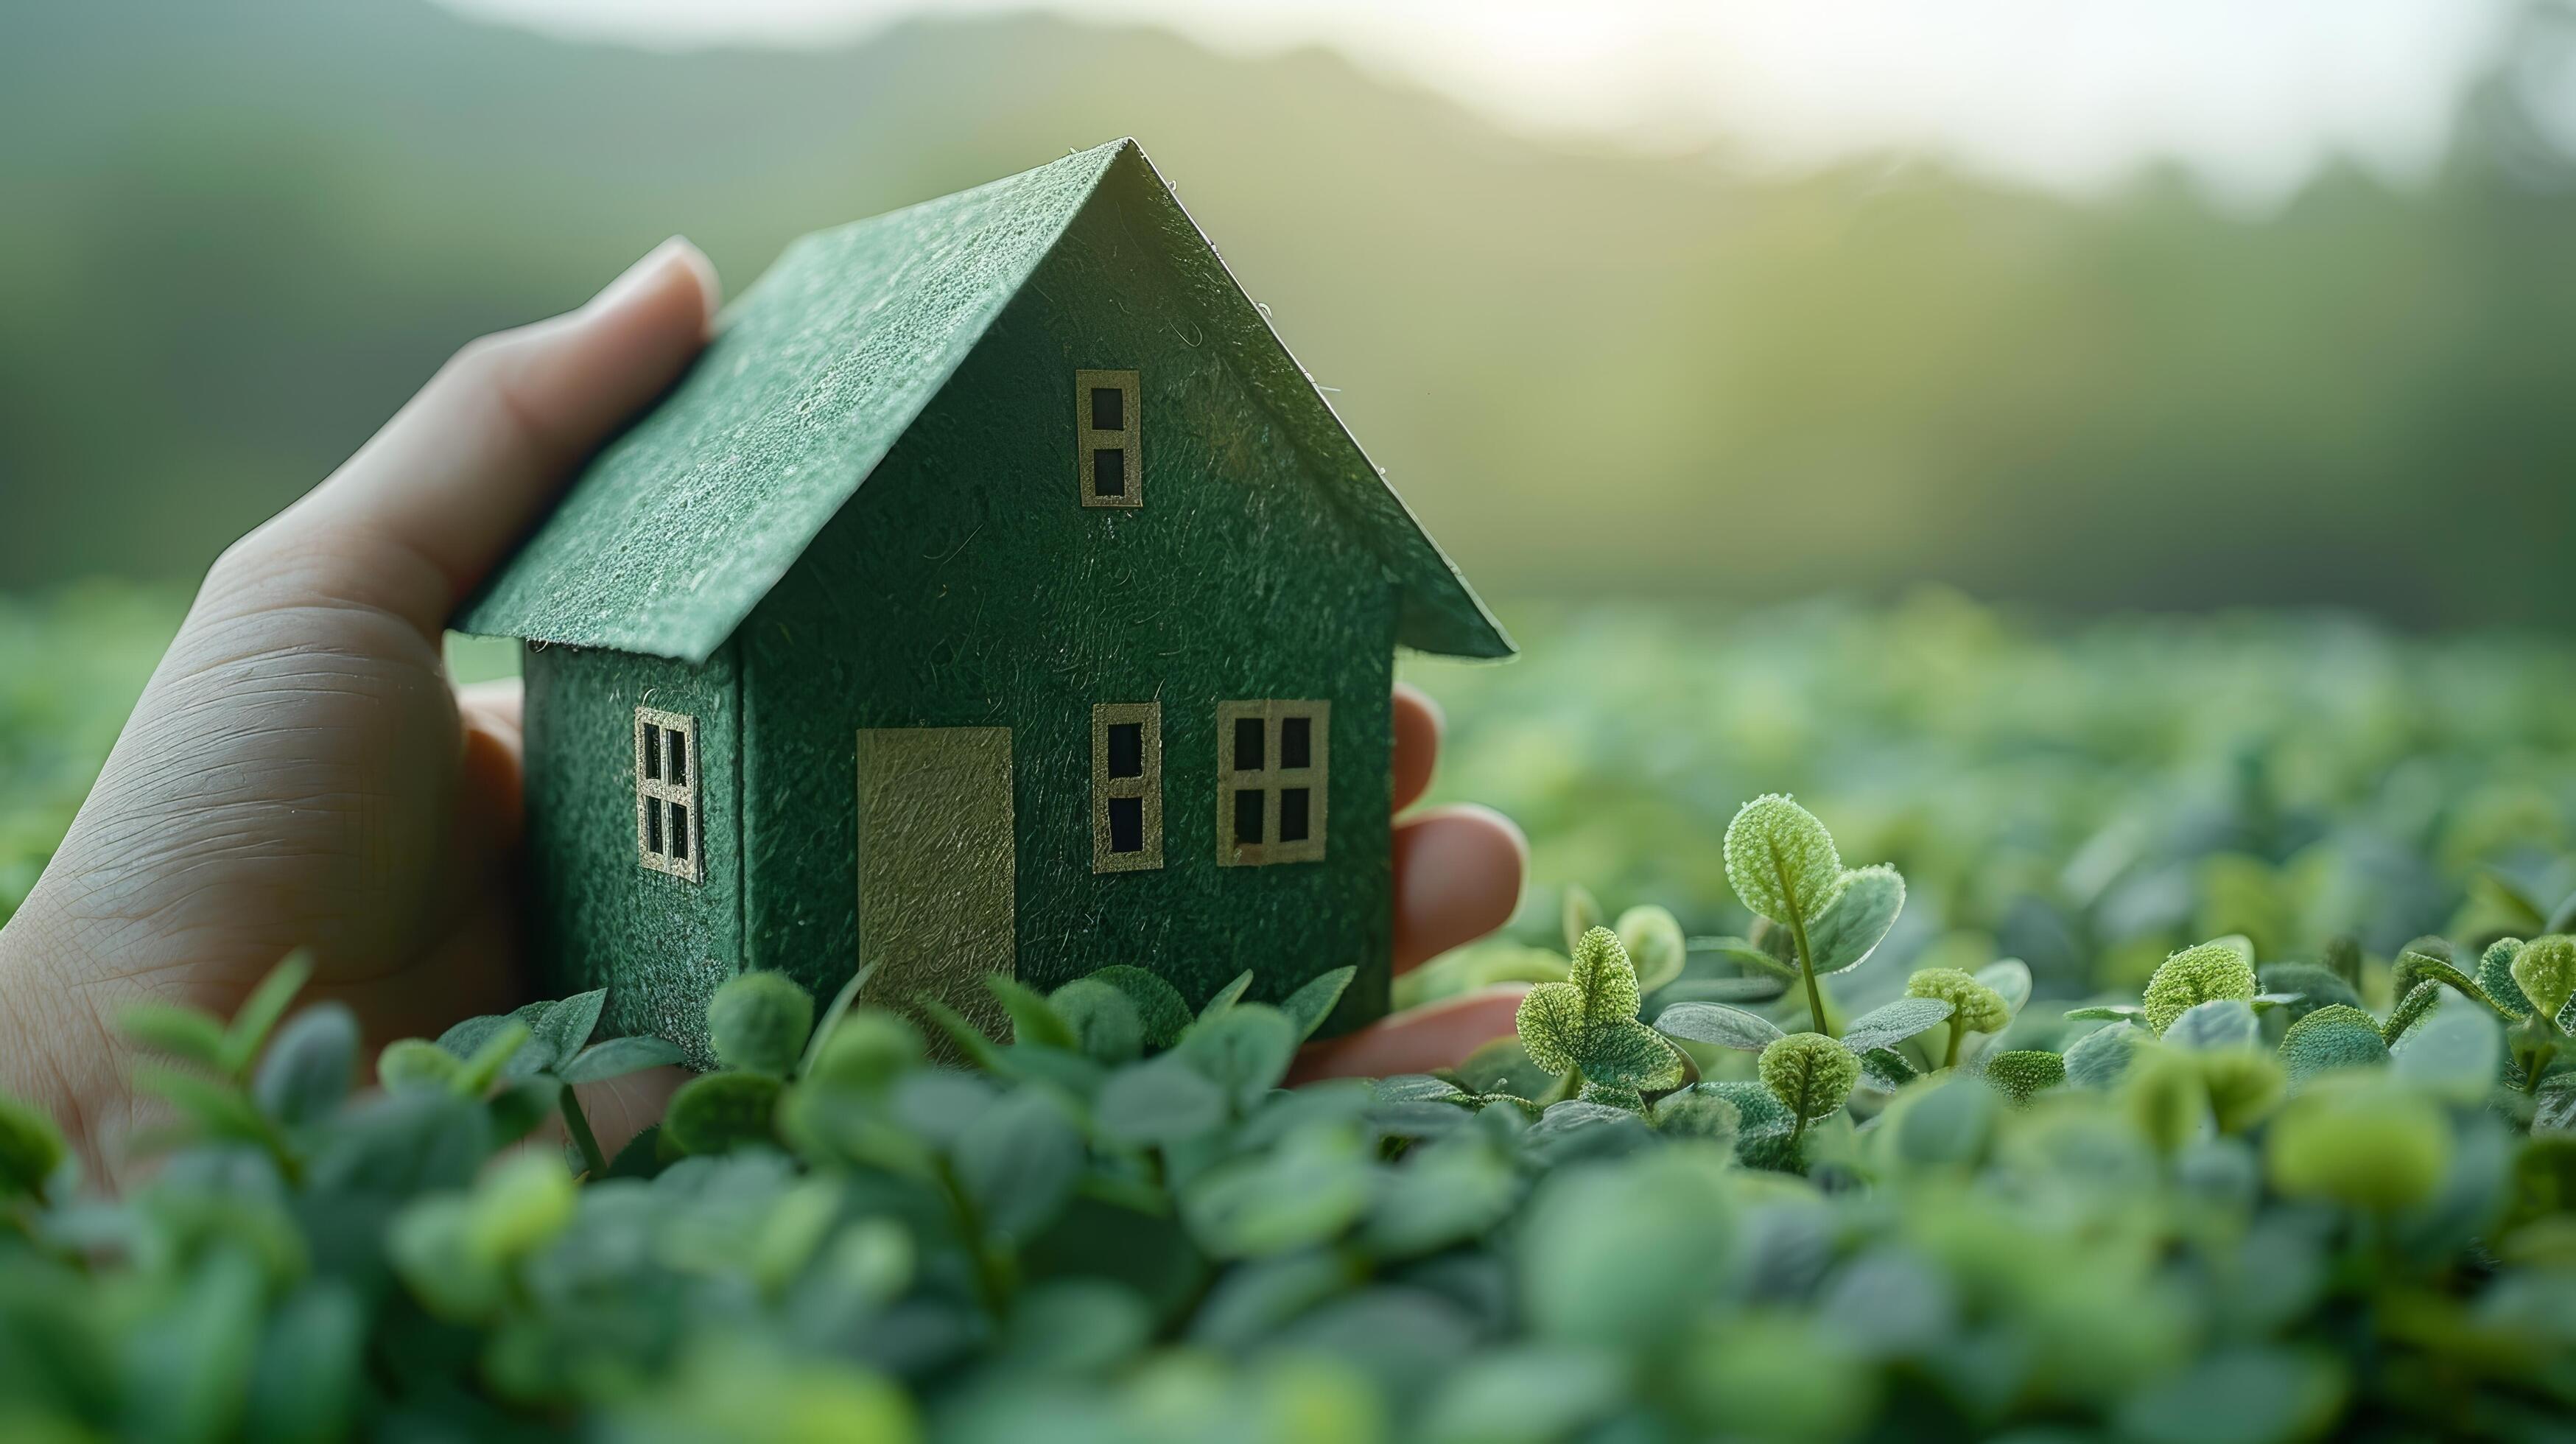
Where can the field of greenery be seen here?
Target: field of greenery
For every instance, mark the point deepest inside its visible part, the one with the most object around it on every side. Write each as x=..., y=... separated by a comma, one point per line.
x=2141, y=1030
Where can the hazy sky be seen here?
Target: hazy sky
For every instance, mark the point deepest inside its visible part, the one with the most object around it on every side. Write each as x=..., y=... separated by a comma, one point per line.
x=2251, y=93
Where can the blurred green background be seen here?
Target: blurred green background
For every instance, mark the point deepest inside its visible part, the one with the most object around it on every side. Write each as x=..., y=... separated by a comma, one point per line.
x=2128, y=564
x=237, y=234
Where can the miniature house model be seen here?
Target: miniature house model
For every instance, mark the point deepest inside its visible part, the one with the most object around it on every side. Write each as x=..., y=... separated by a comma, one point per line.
x=995, y=594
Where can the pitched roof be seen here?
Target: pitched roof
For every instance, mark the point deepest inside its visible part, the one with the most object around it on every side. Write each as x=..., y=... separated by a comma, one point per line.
x=679, y=527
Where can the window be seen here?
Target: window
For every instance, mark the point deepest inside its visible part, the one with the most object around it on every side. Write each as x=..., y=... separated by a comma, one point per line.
x=1108, y=442
x=667, y=830
x=1126, y=786
x=1270, y=781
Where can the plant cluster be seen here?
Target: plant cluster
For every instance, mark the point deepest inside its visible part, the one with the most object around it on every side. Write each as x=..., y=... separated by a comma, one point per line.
x=2265, y=1201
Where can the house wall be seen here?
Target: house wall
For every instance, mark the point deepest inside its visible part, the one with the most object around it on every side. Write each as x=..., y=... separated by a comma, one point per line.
x=658, y=943
x=966, y=586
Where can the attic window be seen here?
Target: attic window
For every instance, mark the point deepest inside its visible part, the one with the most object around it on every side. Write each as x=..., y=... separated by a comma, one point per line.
x=1126, y=786
x=1108, y=439
x=668, y=831
x=1271, y=781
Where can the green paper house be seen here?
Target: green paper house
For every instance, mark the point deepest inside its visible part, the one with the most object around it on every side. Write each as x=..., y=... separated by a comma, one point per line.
x=995, y=594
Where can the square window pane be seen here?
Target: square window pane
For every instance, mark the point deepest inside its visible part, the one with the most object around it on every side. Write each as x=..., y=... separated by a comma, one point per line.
x=653, y=826
x=652, y=753
x=1247, y=815
x=1109, y=471
x=1292, y=812
x=1126, y=751
x=1296, y=741
x=1108, y=409
x=679, y=833
x=679, y=755
x=1247, y=744
x=1126, y=824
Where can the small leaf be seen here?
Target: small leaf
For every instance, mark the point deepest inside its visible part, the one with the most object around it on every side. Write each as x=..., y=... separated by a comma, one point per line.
x=2097, y=1059
x=1887, y=1069
x=1781, y=861
x=1018, y=1163
x=2010, y=978
x=1653, y=940
x=560, y=1030
x=1719, y=1024
x=2022, y=1073
x=476, y=1076
x=1311, y=1004
x=1630, y=1055
x=1859, y=920
x=758, y=1022
x=1607, y=979
x=306, y=1074
x=2219, y=1023
x=31, y=1148
x=416, y=1063
x=1159, y=1006
x=1810, y=1074
x=2113, y=1012
x=1033, y=1023
x=1157, y=1104
x=260, y=1011
x=617, y=1057
x=2196, y=975
x=1244, y=1050
x=1104, y=1022
x=183, y=1033
x=970, y=1040
x=1697, y=1113
x=867, y=1049
x=841, y=1004
x=1227, y=996
x=1581, y=913
x=2332, y=1037
x=218, y=1107
x=2457, y=1053
x=1892, y=1023
x=721, y=1111
x=461, y=1040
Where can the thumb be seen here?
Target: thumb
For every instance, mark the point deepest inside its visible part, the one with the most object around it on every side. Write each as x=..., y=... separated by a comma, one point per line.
x=414, y=521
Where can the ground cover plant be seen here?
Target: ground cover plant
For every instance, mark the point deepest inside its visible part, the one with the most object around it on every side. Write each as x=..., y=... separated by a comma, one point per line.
x=2249, y=1115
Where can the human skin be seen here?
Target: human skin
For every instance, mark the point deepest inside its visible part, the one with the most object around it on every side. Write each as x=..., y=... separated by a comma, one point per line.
x=301, y=772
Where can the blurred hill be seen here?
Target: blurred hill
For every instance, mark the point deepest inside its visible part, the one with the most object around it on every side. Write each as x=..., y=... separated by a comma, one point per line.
x=237, y=234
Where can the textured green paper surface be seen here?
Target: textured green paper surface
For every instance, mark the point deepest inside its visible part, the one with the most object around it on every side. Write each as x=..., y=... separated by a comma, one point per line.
x=681, y=526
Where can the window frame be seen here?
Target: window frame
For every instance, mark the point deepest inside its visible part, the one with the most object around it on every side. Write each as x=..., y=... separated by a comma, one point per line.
x=1128, y=438
x=1147, y=785
x=653, y=786
x=1271, y=779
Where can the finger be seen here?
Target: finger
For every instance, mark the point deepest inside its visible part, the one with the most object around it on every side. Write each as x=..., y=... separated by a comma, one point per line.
x=1458, y=873
x=499, y=701
x=1417, y=743
x=1436, y=1035
x=426, y=508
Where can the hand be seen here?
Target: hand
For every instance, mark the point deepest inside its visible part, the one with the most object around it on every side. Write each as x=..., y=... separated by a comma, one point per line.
x=1458, y=876
x=298, y=771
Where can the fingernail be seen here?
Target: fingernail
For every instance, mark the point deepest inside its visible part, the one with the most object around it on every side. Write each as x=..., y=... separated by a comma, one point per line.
x=653, y=269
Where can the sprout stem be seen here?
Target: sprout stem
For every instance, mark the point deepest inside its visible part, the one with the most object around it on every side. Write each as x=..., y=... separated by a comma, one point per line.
x=578, y=1125
x=1806, y=954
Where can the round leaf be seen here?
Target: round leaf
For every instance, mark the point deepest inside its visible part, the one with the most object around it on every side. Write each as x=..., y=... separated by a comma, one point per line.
x=1781, y=861
x=1719, y=1024
x=757, y=1022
